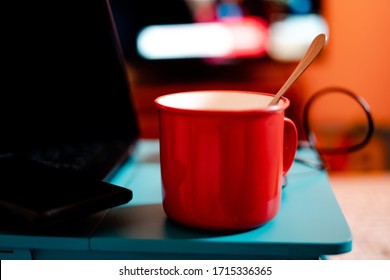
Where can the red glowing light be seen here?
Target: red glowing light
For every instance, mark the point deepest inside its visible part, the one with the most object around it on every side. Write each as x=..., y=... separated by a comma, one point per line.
x=250, y=37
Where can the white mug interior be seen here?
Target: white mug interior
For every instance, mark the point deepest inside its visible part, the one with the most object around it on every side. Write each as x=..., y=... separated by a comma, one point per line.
x=216, y=100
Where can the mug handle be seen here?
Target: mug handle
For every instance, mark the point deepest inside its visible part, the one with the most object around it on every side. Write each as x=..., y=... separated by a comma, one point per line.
x=290, y=144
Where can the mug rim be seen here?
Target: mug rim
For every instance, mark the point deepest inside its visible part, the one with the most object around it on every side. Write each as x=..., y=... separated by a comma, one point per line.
x=282, y=105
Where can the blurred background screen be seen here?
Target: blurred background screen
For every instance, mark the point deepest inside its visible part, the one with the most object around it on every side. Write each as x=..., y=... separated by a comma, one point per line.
x=217, y=30
x=181, y=45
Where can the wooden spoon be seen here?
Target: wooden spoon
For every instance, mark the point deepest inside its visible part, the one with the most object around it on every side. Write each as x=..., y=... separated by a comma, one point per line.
x=311, y=53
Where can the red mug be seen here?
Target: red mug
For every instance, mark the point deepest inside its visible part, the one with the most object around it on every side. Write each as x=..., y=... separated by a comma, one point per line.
x=223, y=155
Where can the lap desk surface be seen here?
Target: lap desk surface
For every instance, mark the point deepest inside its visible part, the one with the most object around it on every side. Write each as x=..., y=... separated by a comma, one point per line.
x=309, y=224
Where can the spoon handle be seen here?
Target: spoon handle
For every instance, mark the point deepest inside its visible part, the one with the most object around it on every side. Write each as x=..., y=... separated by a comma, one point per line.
x=311, y=53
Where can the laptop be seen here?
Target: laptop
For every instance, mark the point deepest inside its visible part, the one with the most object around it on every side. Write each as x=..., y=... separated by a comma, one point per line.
x=66, y=118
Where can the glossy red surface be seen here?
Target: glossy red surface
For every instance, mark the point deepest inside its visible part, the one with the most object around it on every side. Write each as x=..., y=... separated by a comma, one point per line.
x=223, y=170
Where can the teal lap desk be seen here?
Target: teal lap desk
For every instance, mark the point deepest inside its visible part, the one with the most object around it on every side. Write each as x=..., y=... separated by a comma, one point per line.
x=309, y=225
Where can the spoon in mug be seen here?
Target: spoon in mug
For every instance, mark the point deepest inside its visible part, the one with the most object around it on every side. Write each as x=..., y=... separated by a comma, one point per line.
x=311, y=53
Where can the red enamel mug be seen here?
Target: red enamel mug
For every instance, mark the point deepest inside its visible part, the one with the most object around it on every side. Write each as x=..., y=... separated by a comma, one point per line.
x=223, y=155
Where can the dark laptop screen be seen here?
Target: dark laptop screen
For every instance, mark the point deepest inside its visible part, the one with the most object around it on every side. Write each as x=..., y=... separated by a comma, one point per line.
x=64, y=79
